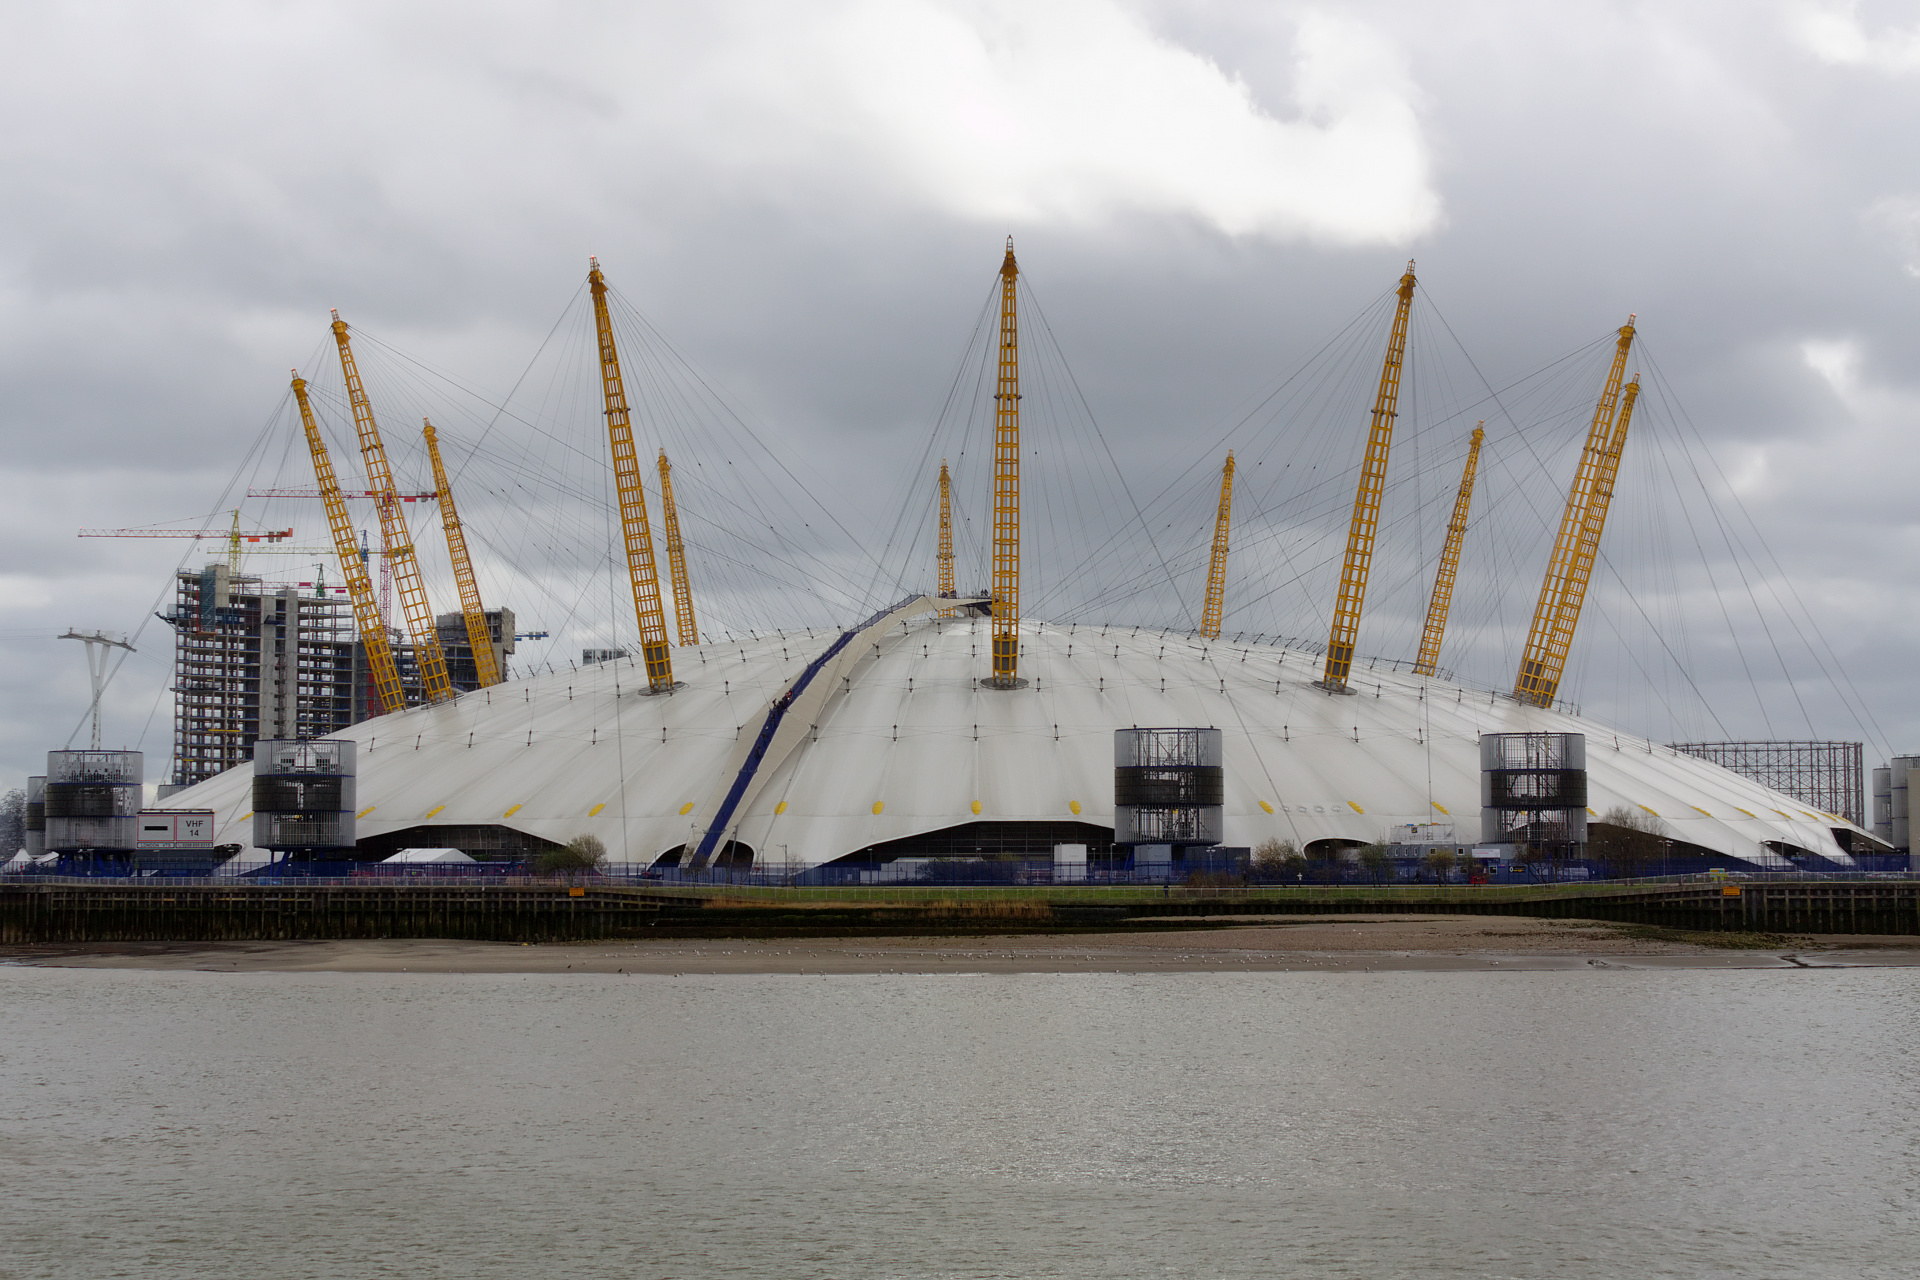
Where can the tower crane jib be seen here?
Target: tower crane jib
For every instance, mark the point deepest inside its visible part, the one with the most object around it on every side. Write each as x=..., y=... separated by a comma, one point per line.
x=677, y=559
x=642, y=568
x=353, y=565
x=1217, y=567
x=486, y=667
x=405, y=565
x=1366, y=501
x=1564, y=590
x=1429, y=657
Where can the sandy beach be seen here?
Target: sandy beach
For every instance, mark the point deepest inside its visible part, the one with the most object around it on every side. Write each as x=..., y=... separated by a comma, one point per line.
x=1303, y=944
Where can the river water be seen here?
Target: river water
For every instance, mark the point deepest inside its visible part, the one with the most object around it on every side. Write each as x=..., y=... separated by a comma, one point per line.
x=1622, y=1123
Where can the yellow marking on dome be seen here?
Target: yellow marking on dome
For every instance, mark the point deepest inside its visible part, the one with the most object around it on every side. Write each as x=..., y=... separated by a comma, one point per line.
x=436, y=809
x=1595, y=812
x=243, y=817
x=1442, y=808
x=1650, y=811
x=364, y=812
x=1266, y=806
x=1750, y=813
x=781, y=807
x=509, y=813
x=878, y=806
x=1074, y=805
x=686, y=808
x=1356, y=808
x=1783, y=813
x=976, y=806
x=1697, y=809
x=595, y=811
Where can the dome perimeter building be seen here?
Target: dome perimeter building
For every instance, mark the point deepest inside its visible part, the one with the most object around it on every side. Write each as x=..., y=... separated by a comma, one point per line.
x=901, y=751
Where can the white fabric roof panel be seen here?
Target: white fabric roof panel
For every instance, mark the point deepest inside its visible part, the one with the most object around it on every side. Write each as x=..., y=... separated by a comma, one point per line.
x=910, y=730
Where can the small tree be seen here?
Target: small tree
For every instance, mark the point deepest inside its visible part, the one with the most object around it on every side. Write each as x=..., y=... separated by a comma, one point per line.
x=1274, y=859
x=1533, y=857
x=578, y=855
x=13, y=823
x=1441, y=863
x=1375, y=862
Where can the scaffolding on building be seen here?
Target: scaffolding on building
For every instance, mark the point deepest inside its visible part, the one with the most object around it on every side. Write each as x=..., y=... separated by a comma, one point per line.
x=1825, y=776
x=256, y=660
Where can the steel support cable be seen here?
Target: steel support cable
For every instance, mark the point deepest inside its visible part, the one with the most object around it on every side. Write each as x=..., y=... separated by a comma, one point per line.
x=727, y=411
x=911, y=497
x=1860, y=708
x=1047, y=329
x=1720, y=600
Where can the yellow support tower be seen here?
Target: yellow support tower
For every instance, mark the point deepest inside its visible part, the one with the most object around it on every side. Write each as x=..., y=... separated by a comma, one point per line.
x=1366, y=501
x=366, y=612
x=479, y=635
x=1429, y=656
x=1217, y=569
x=393, y=530
x=677, y=559
x=1006, y=487
x=1564, y=589
x=641, y=566
x=946, y=538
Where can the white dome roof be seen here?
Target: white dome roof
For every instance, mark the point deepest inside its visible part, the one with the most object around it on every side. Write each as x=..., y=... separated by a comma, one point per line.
x=906, y=741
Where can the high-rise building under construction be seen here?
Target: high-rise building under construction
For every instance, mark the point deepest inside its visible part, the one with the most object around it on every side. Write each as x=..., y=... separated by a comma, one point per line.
x=259, y=660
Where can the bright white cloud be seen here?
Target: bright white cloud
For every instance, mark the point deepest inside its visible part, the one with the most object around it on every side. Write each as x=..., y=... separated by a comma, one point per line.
x=1835, y=34
x=1898, y=217
x=1074, y=111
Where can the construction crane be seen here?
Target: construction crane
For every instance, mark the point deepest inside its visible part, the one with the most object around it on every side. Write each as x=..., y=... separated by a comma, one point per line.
x=1424, y=663
x=677, y=559
x=1564, y=589
x=345, y=493
x=641, y=566
x=233, y=536
x=1217, y=567
x=366, y=614
x=479, y=636
x=1006, y=486
x=1366, y=502
x=396, y=539
x=946, y=538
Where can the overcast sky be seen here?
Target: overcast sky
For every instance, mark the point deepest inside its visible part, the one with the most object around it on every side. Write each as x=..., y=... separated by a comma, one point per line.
x=809, y=201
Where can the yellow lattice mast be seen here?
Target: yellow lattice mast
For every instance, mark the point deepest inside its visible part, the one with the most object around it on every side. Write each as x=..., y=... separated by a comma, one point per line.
x=1217, y=568
x=479, y=635
x=366, y=611
x=946, y=538
x=1564, y=589
x=393, y=530
x=677, y=559
x=641, y=566
x=1442, y=600
x=1006, y=486
x=1366, y=501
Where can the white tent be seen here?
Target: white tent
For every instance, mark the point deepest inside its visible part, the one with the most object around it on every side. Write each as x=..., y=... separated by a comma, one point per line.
x=893, y=736
x=429, y=855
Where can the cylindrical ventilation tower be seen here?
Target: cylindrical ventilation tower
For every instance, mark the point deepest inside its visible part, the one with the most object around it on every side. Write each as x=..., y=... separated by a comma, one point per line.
x=36, y=816
x=92, y=801
x=1168, y=787
x=303, y=794
x=1533, y=790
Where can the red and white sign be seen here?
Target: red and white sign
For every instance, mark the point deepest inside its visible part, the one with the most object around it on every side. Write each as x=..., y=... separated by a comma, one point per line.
x=175, y=829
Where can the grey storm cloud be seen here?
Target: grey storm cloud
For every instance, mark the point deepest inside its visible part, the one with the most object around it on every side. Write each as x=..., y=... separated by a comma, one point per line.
x=810, y=201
